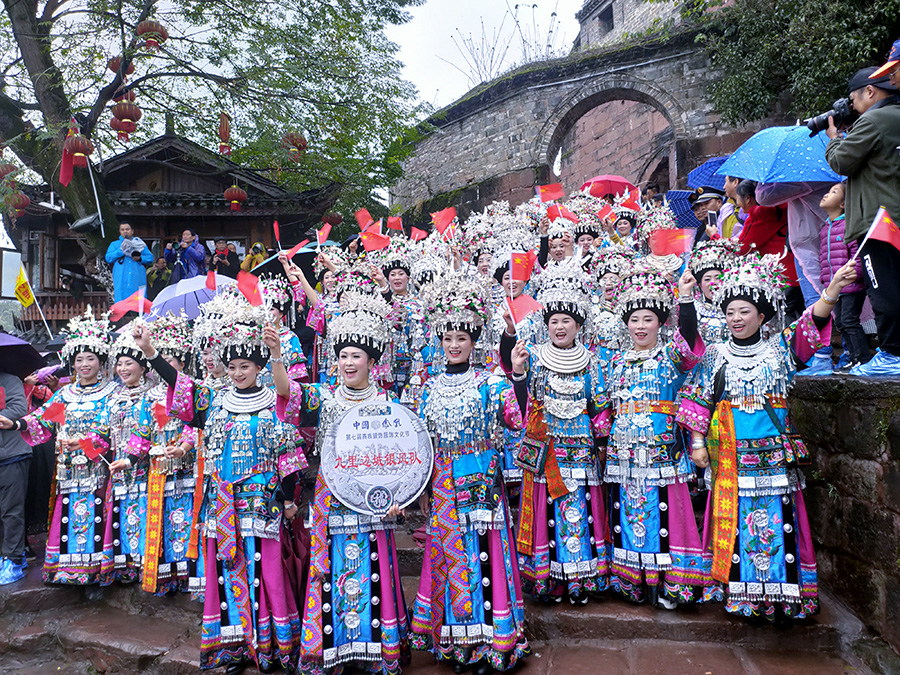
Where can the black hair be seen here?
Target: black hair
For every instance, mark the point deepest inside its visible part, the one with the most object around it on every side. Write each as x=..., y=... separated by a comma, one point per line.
x=657, y=198
x=474, y=333
x=652, y=186
x=746, y=188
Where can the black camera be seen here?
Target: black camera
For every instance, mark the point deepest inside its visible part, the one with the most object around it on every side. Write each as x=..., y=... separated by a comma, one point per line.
x=842, y=112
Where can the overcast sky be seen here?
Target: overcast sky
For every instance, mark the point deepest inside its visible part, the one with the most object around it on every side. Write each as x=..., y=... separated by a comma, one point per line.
x=428, y=38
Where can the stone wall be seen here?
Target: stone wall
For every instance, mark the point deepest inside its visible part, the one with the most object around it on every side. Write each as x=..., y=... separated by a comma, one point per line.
x=628, y=16
x=852, y=427
x=625, y=138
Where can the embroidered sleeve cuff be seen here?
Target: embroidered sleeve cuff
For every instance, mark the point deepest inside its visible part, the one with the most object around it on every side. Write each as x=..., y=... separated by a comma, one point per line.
x=512, y=416
x=807, y=338
x=683, y=356
x=180, y=399
x=288, y=409
x=693, y=416
x=35, y=431
x=601, y=423
x=290, y=462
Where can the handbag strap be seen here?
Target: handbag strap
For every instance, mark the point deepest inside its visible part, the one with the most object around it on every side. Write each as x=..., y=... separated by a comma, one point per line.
x=772, y=416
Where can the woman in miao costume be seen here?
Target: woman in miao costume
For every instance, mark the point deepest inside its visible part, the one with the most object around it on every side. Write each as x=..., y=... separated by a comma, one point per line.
x=248, y=616
x=354, y=614
x=612, y=264
x=757, y=532
x=173, y=491
x=79, y=414
x=130, y=434
x=656, y=548
x=468, y=609
x=561, y=535
x=707, y=263
x=279, y=297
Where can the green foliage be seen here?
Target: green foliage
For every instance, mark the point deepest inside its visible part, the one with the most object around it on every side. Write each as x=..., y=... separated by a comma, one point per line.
x=319, y=67
x=797, y=53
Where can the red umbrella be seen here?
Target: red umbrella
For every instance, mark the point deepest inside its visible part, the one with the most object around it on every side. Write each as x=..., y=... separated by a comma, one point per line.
x=601, y=186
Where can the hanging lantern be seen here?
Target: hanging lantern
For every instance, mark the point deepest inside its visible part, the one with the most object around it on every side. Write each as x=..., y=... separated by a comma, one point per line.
x=295, y=144
x=79, y=147
x=116, y=126
x=224, y=134
x=153, y=33
x=333, y=219
x=19, y=203
x=6, y=169
x=128, y=115
x=236, y=196
x=124, y=95
x=115, y=62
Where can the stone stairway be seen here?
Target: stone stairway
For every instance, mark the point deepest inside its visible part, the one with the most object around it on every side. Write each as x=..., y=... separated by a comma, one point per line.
x=121, y=629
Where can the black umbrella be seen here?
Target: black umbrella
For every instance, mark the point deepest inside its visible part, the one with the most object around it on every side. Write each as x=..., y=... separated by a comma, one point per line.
x=18, y=357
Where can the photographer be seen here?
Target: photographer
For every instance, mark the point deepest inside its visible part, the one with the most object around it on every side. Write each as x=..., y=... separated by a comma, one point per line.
x=868, y=156
x=187, y=257
x=129, y=257
x=223, y=260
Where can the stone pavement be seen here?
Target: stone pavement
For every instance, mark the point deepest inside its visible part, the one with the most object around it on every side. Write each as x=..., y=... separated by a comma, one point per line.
x=74, y=631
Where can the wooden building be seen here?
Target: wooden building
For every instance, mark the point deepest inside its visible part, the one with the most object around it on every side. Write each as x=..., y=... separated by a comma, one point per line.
x=161, y=188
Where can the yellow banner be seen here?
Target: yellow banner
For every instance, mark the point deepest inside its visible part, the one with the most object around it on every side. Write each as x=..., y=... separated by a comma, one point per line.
x=23, y=289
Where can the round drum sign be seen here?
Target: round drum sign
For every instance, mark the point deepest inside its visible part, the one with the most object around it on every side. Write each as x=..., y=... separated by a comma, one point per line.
x=375, y=455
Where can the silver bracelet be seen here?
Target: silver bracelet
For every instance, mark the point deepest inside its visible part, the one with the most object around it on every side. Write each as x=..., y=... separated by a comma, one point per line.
x=699, y=444
x=518, y=378
x=828, y=299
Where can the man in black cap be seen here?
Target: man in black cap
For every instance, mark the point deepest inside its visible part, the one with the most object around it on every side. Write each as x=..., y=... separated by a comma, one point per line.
x=705, y=200
x=868, y=155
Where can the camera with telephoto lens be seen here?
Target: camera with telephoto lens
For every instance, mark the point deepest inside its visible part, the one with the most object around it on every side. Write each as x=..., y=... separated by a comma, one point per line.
x=842, y=112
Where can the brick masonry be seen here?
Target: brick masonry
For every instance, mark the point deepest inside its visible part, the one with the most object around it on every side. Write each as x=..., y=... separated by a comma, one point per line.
x=852, y=426
x=518, y=123
x=628, y=16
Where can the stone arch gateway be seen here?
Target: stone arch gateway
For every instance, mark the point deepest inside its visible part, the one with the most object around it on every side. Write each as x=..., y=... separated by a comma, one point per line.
x=500, y=139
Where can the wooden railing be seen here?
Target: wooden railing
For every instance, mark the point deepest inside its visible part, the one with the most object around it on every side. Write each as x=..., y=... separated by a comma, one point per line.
x=60, y=307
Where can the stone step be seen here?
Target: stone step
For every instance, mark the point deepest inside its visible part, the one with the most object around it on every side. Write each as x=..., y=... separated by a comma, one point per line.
x=31, y=594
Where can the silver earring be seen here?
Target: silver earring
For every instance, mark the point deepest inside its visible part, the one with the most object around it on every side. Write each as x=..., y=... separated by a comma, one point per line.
x=142, y=382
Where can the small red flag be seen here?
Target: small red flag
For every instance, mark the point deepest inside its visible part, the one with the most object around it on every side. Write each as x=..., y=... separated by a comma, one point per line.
x=667, y=242
x=884, y=229
x=135, y=302
x=416, y=234
x=395, y=223
x=160, y=415
x=248, y=284
x=90, y=450
x=560, y=211
x=296, y=249
x=67, y=167
x=522, y=264
x=605, y=212
x=373, y=227
x=374, y=241
x=55, y=412
x=522, y=306
x=634, y=200
x=277, y=232
x=322, y=235
x=550, y=192
x=211, y=280
x=364, y=218
x=443, y=218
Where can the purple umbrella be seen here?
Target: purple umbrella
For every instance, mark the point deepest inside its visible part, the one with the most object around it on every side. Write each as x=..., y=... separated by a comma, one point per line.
x=187, y=295
x=18, y=357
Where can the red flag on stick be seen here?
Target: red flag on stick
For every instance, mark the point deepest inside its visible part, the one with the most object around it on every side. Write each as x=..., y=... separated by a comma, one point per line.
x=296, y=249
x=395, y=223
x=364, y=218
x=550, y=192
x=417, y=235
x=248, y=284
x=522, y=306
x=522, y=264
x=373, y=227
x=634, y=200
x=667, y=242
x=443, y=218
x=135, y=302
x=560, y=211
x=883, y=228
x=277, y=233
x=160, y=415
x=322, y=235
x=374, y=241
x=605, y=212
x=90, y=450
x=211, y=280
x=55, y=412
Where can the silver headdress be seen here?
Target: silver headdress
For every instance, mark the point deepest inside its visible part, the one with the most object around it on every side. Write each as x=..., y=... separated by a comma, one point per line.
x=713, y=254
x=124, y=345
x=563, y=288
x=757, y=279
x=645, y=288
x=362, y=323
x=456, y=302
x=400, y=254
x=172, y=335
x=86, y=334
x=655, y=217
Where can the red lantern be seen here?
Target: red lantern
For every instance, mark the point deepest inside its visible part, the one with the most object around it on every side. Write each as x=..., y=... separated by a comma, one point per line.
x=79, y=147
x=6, y=169
x=123, y=95
x=115, y=62
x=333, y=219
x=116, y=126
x=128, y=115
x=236, y=196
x=153, y=33
x=295, y=144
x=20, y=202
x=224, y=134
